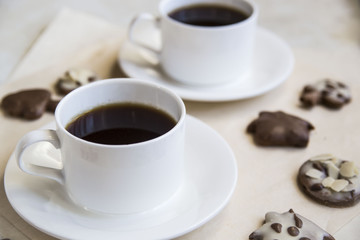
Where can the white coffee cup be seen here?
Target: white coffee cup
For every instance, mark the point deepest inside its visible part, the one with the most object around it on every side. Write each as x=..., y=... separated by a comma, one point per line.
x=115, y=179
x=201, y=55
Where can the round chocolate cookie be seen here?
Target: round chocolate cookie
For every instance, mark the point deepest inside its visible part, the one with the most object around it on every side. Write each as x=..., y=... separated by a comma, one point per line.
x=330, y=181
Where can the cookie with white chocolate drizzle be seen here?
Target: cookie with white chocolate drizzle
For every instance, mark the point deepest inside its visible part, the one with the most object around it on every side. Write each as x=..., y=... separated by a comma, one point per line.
x=289, y=225
x=73, y=79
x=330, y=181
x=327, y=92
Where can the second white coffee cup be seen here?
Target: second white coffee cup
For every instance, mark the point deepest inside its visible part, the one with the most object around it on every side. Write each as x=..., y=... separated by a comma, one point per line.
x=203, y=55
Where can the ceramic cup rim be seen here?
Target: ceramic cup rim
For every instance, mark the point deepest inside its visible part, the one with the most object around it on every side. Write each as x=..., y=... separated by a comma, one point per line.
x=140, y=82
x=164, y=13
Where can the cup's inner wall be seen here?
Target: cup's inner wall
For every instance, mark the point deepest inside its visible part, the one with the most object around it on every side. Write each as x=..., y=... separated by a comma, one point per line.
x=169, y=6
x=89, y=97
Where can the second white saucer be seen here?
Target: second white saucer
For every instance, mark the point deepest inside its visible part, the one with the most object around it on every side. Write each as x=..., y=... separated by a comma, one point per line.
x=273, y=63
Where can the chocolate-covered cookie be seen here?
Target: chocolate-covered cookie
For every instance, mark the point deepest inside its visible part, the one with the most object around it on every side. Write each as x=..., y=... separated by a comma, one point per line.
x=73, y=79
x=28, y=104
x=330, y=93
x=51, y=105
x=280, y=129
x=330, y=181
x=289, y=225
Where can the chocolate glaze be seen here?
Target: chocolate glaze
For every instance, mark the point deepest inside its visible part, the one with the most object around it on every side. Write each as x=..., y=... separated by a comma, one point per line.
x=280, y=129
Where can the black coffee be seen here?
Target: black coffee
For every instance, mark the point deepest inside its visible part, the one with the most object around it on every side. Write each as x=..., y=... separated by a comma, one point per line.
x=208, y=15
x=123, y=123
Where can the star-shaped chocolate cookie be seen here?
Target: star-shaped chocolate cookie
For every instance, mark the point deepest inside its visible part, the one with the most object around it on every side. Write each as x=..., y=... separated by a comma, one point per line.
x=327, y=92
x=280, y=129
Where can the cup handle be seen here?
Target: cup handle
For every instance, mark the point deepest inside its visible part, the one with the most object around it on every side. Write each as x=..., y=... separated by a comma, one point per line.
x=152, y=55
x=34, y=137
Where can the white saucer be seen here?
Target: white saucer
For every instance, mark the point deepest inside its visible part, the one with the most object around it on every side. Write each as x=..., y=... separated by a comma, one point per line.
x=211, y=172
x=273, y=63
